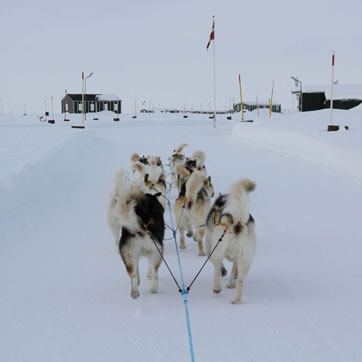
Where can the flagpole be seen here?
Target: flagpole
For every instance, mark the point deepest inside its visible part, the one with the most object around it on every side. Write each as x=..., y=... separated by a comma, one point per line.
x=332, y=82
x=82, y=98
x=214, y=123
x=271, y=101
x=241, y=100
x=331, y=126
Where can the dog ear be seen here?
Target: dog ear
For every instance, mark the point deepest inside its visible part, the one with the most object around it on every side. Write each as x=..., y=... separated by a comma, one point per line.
x=209, y=178
x=158, y=194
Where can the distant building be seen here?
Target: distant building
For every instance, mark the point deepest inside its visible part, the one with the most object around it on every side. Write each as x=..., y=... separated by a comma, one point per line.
x=250, y=106
x=313, y=98
x=92, y=103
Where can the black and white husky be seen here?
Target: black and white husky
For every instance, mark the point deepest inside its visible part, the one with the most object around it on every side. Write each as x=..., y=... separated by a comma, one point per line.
x=230, y=219
x=136, y=221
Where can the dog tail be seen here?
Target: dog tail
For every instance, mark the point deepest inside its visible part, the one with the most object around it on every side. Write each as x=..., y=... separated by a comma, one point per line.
x=182, y=170
x=238, y=204
x=180, y=148
x=121, y=184
x=200, y=158
x=135, y=157
x=193, y=186
x=138, y=166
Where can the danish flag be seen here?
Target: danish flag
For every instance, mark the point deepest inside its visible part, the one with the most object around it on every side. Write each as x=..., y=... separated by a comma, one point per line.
x=212, y=35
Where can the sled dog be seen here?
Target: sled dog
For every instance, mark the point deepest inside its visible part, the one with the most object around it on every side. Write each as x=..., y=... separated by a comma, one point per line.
x=152, y=177
x=230, y=220
x=192, y=206
x=136, y=221
x=184, y=171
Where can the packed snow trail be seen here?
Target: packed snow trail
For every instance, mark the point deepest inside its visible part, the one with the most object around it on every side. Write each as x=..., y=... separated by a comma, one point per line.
x=65, y=291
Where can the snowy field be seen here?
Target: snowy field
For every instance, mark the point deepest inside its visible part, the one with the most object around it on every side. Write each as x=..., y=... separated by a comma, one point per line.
x=64, y=292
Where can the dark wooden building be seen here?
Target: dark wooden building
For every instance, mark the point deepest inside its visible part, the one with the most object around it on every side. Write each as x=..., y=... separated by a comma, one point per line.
x=313, y=98
x=250, y=106
x=92, y=103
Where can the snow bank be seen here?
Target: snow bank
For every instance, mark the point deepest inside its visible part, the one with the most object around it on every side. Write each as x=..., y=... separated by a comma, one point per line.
x=308, y=149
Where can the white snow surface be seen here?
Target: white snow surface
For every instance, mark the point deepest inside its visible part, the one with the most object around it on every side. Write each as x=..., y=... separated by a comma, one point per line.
x=65, y=293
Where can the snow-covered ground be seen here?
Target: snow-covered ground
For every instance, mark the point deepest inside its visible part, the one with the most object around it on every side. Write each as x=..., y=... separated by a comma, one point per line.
x=64, y=292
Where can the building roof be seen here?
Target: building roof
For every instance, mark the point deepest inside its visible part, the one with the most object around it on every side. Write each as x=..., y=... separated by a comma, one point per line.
x=340, y=91
x=107, y=97
x=259, y=103
x=78, y=97
x=93, y=97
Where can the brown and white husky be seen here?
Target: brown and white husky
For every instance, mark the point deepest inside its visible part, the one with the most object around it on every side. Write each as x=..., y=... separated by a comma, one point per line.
x=192, y=206
x=150, y=173
x=230, y=219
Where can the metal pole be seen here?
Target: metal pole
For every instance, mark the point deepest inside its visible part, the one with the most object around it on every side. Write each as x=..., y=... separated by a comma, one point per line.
x=88, y=76
x=332, y=82
x=214, y=123
x=83, y=98
x=51, y=98
x=241, y=100
x=271, y=101
x=65, y=105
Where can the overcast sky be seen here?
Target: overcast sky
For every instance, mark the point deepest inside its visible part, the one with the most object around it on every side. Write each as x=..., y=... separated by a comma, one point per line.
x=156, y=50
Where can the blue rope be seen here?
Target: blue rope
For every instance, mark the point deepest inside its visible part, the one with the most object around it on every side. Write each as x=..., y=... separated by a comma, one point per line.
x=184, y=292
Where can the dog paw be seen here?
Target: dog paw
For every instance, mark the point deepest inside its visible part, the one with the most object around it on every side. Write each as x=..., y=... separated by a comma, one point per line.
x=236, y=301
x=154, y=290
x=216, y=291
x=148, y=275
x=135, y=295
x=202, y=253
x=231, y=285
x=189, y=234
x=223, y=271
x=182, y=246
